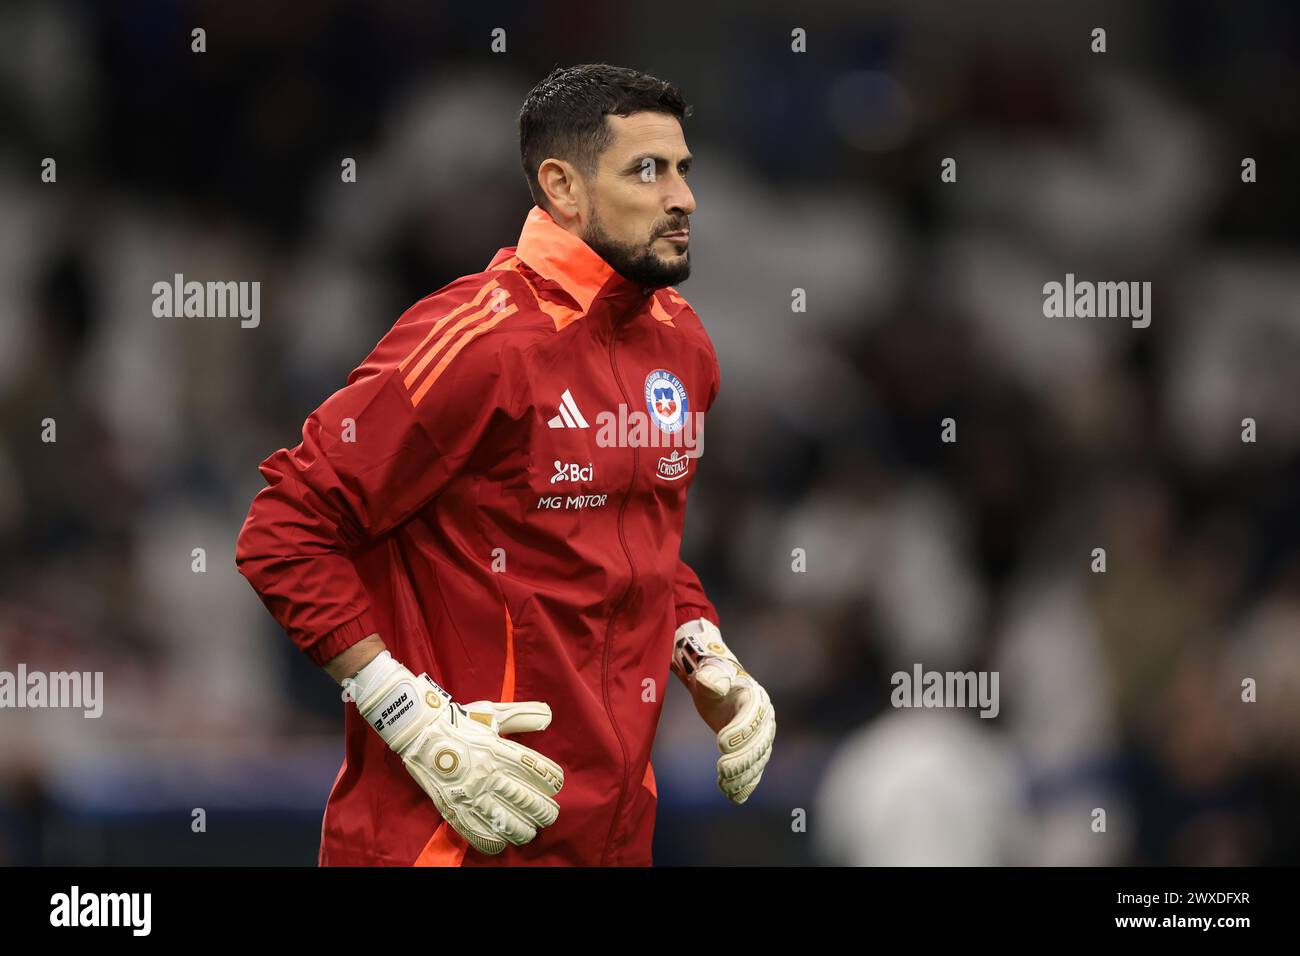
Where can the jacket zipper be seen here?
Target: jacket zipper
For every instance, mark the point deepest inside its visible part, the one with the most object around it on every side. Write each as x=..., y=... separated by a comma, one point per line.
x=609, y=629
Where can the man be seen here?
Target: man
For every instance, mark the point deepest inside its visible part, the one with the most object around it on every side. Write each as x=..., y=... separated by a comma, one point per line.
x=495, y=502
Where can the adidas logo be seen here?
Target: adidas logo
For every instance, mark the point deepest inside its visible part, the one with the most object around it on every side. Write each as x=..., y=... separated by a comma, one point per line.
x=569, y=416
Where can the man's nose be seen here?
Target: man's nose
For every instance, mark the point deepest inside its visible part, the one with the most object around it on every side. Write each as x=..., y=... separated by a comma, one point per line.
x=681, y=201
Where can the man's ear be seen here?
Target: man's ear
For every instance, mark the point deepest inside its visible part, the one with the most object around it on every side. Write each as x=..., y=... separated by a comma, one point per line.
x=563, y=189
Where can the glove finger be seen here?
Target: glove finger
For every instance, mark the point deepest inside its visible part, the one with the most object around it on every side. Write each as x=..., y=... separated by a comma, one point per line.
x=715, y=675
x=738, y=787
x=740, y=766
x=522, y=717
x=740, y=796
x=470, y=824
x=533, y=768
x=739, y=773
x=533, y=805
x=739, y=770
x=484, y=845
x=483, y=824
x=483, y=712
x=516, y=717
x=504, y=822
x=753, y=711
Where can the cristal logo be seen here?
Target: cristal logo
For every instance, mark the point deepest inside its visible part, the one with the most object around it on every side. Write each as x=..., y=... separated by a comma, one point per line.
x=572, y=472
x=673, y=466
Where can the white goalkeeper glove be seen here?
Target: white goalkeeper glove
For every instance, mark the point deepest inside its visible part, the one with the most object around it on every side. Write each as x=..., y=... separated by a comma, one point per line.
x=731, y=702
x=493, y=791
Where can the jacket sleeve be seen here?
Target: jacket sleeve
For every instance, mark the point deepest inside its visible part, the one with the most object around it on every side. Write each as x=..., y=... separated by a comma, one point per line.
x=692, y=602
x=688, y=593
x=372, y=455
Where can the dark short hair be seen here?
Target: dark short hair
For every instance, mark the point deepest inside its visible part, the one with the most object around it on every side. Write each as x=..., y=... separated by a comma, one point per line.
x=563, y=117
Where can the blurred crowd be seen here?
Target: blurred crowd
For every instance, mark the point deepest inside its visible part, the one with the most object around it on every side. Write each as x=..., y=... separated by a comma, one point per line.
x=1120, y=691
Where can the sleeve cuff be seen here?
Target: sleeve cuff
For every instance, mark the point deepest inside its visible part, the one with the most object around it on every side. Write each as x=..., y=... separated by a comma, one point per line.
x=326, y=648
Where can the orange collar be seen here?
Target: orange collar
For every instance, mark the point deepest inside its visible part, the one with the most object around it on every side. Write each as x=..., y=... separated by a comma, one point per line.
x=554, y=253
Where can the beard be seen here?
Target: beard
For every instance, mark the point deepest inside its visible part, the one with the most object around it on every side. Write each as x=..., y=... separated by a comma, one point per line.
x=637, y=263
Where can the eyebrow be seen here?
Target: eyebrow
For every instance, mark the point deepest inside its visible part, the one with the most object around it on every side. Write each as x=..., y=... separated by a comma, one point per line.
x=636, y=161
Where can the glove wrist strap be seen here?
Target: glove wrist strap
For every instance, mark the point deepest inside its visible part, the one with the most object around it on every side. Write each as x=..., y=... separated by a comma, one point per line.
x=397, y=704
x=693, y=642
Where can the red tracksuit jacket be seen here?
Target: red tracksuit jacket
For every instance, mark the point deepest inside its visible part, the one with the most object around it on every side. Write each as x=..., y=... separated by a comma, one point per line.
x=469, y=497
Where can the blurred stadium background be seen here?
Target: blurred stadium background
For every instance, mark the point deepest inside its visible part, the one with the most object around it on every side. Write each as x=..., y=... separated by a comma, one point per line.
x=819, y=171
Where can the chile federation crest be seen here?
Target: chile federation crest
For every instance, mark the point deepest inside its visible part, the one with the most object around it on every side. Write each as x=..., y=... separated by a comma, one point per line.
x=666, y=400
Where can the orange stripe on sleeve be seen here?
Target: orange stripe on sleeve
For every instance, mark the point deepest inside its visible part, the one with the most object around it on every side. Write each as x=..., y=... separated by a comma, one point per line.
x=452, y=352
x=447, y=336
x=472, y=303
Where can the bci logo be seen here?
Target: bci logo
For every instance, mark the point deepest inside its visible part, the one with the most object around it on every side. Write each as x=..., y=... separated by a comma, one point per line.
x=572, y=472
